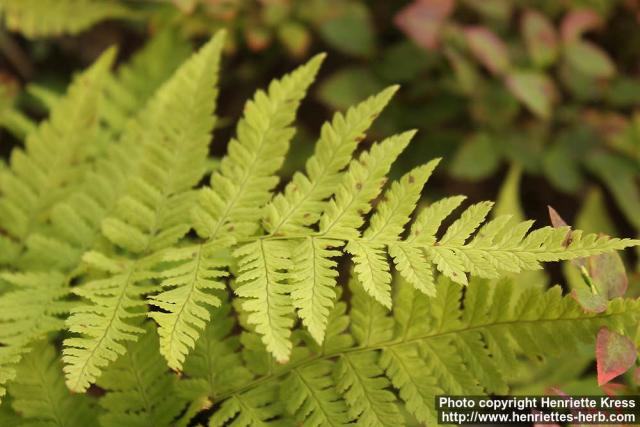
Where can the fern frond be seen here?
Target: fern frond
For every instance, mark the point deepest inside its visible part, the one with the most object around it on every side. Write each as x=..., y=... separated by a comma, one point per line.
x=159, y=195
x=155, y=214
x=312, y=398
x=140, y=391
x=42, y=18
x=105, y=322
x=450, y=344
x=40, y=396
x=416, y=387
x=370, y=323
x=246, y=176
x=75, y=222
x=135, y=82
x=304, y=197
x=252, y=409
x=364, y=387
x=55, y=156
x=215, y=365
x=29, y=310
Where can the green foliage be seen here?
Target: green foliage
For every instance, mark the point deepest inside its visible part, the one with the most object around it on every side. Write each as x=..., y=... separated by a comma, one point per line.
x=97, y=213
x=37, y=18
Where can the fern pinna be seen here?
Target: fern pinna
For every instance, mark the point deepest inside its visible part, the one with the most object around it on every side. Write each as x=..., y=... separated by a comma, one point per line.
x=96, y=212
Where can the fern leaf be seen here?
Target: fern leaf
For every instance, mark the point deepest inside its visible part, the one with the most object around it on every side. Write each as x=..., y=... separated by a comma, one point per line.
x=314, y=279
x=252, y=409
x=261, y=280
x=156, y=212
x=159, y=196
x=414, y=268
x=136, y=81
x=303, y=199
x=361, y=184
x=28, y=312
x=360, y=380
x=42, y=18
x=104, y=323
x=184, y=303
x=31, y=308
x=55, y=155
x=370, y=323
x=312, y=398
x=39, y=393
x=246, y=177
x=215, y=365
x=372, y=269
x=140, y=392
x=416, y=386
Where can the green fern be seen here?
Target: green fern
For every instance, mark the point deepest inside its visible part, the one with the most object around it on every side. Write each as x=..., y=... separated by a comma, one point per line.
x=150, y=217
x=40, y=396
x=38, y=18
x=140, y=391
x=54, y=159
x=95, y=220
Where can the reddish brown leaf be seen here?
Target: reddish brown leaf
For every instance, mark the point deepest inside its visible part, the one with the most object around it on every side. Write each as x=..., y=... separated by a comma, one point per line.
x=578, y=22
x=615, y=354
x=488, y=48
x=540, y=37
x=422, y=20
x=558, y=222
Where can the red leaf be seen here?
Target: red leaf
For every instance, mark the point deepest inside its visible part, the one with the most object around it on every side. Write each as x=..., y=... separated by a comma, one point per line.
x=615, y=354
x=422, y=20
x=578, y=22
x=488, y=48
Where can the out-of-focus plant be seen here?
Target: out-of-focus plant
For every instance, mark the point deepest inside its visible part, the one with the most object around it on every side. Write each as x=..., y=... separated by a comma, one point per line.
x=552, y=86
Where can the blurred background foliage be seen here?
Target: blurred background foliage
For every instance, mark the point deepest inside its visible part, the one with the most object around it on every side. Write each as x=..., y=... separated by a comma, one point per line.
x=530, y=102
